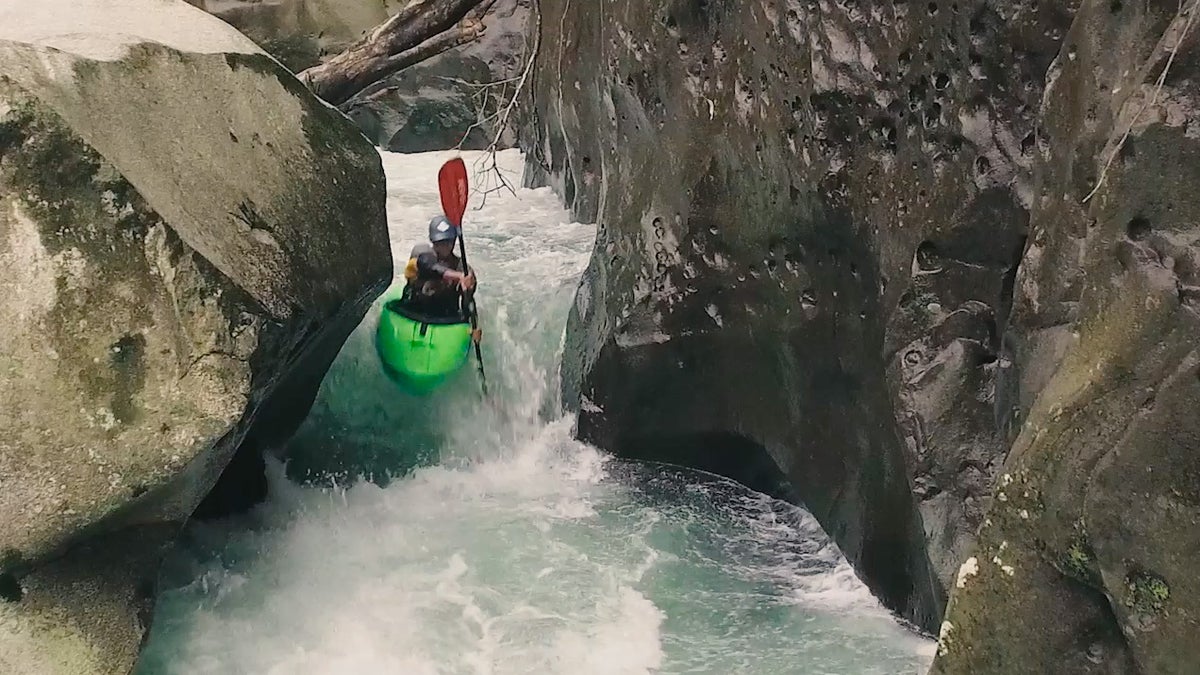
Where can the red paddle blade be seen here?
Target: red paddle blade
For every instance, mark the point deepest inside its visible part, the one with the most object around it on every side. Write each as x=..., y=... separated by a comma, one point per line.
x=452, y=184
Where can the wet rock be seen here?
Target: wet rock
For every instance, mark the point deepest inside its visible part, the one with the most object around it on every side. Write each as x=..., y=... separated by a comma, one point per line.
x=1098, y=518
x=168, y=300
x=867, y=240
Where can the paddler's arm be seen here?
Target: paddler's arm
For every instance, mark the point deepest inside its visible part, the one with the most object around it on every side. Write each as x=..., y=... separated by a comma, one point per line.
x=429, y=266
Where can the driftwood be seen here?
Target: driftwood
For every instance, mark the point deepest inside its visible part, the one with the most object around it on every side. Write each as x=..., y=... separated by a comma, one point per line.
x=423, y=29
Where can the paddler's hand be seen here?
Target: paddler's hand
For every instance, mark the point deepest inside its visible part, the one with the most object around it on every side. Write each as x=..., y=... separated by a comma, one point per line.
x=476, y=335
x=467, y=283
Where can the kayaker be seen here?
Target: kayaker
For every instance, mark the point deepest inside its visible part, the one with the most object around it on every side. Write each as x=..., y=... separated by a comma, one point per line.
x=437, y=286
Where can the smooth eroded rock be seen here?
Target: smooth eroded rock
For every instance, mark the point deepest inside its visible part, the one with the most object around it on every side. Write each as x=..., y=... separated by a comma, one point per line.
x=186, y=238
x=301, y=32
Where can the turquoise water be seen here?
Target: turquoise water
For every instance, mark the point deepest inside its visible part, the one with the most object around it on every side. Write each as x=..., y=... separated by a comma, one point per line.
x=487, y=540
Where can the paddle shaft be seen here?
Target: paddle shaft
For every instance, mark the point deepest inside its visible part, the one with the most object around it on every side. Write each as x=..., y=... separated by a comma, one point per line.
x=474, y=316
x=452, y=187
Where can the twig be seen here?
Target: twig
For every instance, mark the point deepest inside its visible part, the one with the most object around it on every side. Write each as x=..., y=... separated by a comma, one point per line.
x=477, y=85
x=374, y=93
x=1162, y=78
x=493, y=167
x=503, y=112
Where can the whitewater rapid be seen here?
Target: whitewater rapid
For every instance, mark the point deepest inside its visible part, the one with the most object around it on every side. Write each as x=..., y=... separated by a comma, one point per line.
x=487, y=540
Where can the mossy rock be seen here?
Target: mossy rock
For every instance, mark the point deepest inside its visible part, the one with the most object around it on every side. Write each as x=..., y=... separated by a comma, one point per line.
x=1146, y=593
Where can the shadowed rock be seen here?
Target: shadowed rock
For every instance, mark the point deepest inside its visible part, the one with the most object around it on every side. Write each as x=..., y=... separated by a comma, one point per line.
x=811, y=218
x=431, y=105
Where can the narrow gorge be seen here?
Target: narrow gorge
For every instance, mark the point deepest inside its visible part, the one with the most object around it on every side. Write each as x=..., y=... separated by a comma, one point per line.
x=846, y=336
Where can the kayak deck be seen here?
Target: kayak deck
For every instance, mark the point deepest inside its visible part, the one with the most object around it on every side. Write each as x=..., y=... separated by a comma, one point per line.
x=420, y=353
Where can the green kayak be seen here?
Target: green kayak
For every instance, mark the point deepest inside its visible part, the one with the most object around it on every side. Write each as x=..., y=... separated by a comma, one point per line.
x=420, y=353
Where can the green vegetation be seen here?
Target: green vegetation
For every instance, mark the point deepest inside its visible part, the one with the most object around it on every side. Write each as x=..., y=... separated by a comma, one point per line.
x=1146, y=593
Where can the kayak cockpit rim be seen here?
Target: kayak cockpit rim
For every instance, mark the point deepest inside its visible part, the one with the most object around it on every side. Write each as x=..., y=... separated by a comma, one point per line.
x=397, y=307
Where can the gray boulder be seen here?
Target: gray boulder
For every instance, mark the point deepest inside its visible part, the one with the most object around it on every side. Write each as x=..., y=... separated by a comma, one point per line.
x=186, y=238
x=929, y=269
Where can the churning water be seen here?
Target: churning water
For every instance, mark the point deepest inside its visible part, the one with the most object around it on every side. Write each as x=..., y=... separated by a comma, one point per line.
x=487, y=540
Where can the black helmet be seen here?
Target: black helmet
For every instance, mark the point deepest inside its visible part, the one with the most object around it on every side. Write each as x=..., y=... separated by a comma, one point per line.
x=440, y=229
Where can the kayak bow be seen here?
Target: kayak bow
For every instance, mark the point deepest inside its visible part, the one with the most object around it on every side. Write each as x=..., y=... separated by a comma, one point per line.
x=420, y=353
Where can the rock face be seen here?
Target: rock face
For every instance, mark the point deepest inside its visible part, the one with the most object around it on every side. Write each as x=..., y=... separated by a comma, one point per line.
x=847, y=245
x=809, y=216
x=1087, y=562
x=186, y=238
x=429, y=106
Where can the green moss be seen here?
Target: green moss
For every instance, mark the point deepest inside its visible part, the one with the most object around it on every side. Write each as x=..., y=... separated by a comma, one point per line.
x=1146, y=593
x=61, y=180
x=10, y=128
x=10, y=588
x=1078, y=559
x=80, y=203
x=46, y=165
x=1079, y=562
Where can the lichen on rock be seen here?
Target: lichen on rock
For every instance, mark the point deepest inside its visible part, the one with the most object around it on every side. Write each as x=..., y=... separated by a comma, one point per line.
x=1146, y=593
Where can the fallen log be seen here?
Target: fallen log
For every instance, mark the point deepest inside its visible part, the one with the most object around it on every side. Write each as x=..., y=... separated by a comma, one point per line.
x=423, y=29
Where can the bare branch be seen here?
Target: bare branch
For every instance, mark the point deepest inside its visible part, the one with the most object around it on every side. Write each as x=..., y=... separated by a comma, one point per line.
x=506, y=102
x=1158, y=86
x=427, y=49
x=482, y=10
x=477, y=85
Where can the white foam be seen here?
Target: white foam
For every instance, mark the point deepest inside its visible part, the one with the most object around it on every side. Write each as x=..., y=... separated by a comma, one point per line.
x=104, y=29
x=624, y=641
